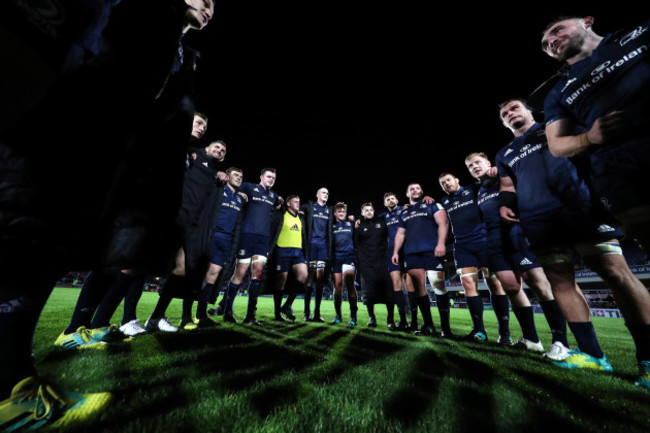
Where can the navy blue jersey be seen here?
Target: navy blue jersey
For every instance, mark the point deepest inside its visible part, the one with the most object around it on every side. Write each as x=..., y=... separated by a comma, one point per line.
x=257, y=217
x=544, y=183
x=231, y=205
x=616, y=76
x=320, y=215
x=421, y=227
x=392, y=222
x=487, y=200
x=464, y=215
x=343, y=232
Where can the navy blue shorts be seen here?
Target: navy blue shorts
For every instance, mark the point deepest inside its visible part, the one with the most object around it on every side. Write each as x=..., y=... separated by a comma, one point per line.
x=220, y=248
x=286, y=258
x=427, y=260
x=340, y=260
x=389, y=260
x=507, y=250
x=619, y=175
x=253, y=245
x=567, y=227
x=318, y=251
x=470, y=253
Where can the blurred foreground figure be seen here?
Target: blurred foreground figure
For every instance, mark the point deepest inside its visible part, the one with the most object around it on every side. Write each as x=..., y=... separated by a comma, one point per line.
x=82, y=76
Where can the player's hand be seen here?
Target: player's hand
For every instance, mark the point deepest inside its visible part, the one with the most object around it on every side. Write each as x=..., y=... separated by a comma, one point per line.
x=222, y=176
x=508, y=215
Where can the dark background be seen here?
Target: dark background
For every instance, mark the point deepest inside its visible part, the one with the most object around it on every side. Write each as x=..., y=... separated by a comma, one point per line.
x=364, y=98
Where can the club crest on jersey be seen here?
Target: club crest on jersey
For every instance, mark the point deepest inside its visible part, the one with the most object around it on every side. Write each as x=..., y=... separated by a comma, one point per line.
x=633, y=35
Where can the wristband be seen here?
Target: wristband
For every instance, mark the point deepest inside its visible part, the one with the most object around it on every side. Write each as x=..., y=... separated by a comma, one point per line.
x=584, y=140
x=509, y=200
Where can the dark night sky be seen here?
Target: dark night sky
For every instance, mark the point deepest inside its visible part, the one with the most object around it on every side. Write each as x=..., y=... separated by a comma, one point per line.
x=365, y=99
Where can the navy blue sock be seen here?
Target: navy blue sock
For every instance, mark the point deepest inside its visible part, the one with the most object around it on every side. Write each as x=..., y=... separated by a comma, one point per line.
x=308, y=290
x=131, y=299
x=371, y=309
x=413, y=305
x=288, y=303
x=586, y=338
x=443, y=309
x=475, y=307
x=390, y=312
x=111, y=300
x=253, y=293
x=187, y=307
x=641, y=336
x=92, y=292
x=400, y=301
x=556, y=321
x=501, y=308
x=338, y=300
x=277, y=303
x=424, y=303
x=317, y=301
x=231, y=294
x=526, y=319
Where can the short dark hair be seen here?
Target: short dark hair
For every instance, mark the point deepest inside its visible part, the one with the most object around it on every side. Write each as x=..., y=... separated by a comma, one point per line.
x=445, y=173
x=560, y=18
x=522, y=100
x=367, y=204
x=388, y=194
x=264, y=170
x=223, y=143
x=231, y=169
x=201, y=115
x=291, y=197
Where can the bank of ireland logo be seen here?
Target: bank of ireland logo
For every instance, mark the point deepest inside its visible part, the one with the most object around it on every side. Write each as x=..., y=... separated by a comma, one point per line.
x=600, y=68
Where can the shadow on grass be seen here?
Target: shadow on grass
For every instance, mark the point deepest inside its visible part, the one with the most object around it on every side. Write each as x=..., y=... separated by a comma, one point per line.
x=359, y=350
x=420, y=389
x=274, y=397
x=600, y=410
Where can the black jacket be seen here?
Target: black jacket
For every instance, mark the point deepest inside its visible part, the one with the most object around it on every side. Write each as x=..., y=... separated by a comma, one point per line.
x=62, y=201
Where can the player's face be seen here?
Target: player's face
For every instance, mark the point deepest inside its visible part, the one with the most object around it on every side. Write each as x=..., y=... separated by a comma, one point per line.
x=199, y=127
x=368, y=212
x=216, y=151
x=515, y=115
x=564, y=39
x=235, y=178
x=199, y=13
x=390, y=202
x=414, y=192
x=449, y=183
x=478, y=166
x=267, y=179
x=322, y=195
x=340, y=214
x=294, y=204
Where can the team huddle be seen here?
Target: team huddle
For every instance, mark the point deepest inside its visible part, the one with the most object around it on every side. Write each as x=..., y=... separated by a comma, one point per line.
x=567, y=187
